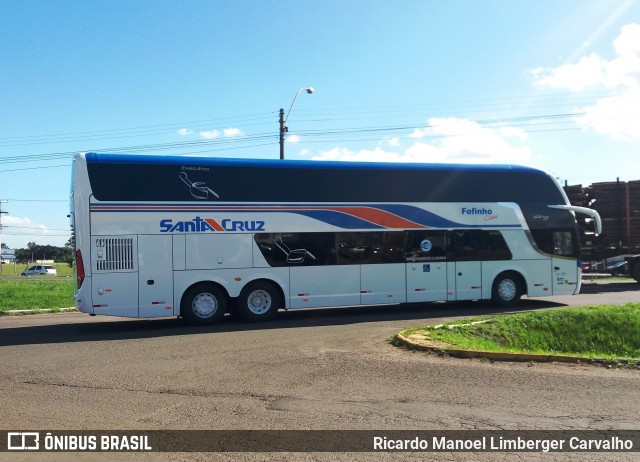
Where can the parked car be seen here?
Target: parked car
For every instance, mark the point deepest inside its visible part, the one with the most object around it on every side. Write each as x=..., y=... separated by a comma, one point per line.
x=40, y=269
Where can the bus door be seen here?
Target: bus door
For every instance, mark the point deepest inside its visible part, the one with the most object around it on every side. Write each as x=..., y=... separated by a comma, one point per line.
x=114, y=281
x=562, y=246
x=565, y=265
x=426, y=266
x=468, y=265
x=155, y=275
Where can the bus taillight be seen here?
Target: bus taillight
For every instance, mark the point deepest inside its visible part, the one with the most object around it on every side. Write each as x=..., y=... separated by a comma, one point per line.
x=79, y=269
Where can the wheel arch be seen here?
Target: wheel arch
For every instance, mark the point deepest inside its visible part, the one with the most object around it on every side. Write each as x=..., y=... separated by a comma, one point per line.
x=522, y=280
x=519, y=289
x=276, y=285
x=490, y=278
x=203, y=282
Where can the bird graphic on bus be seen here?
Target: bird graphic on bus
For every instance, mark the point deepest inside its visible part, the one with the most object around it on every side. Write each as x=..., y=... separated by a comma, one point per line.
x=198, y=189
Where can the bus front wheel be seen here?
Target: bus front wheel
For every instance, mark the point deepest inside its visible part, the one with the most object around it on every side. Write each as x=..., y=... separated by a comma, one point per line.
x=203, y=304
x=507, y=289
x=258, y=301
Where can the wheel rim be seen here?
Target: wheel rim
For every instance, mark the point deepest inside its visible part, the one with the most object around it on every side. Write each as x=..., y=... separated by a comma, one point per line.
x=507, y=289
x=259, y=301
x=204, y=305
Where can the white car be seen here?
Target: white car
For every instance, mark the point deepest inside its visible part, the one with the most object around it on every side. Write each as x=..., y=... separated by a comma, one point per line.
x=40, y=269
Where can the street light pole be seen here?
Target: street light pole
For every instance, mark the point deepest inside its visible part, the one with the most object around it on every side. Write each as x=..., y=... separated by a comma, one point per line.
x=283, y=120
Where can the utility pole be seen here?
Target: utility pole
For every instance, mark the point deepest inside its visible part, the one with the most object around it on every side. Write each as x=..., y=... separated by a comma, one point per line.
x=1, y=212
x=283, y=119
x=283, y=130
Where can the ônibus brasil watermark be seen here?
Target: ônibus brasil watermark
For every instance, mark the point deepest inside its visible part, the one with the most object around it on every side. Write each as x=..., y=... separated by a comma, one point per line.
x=541, y=441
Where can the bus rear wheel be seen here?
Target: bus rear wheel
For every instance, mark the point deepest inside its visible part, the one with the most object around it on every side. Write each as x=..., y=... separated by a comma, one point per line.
x=506, y=290
x=203, y=304
x=258, y=301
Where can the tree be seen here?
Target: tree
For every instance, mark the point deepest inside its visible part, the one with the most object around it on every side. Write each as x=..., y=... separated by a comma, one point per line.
x=45, y=252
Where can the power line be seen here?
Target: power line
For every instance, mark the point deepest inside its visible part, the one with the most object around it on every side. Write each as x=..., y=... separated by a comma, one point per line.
x=556, y=121
x=36, y=200
x=483, y=105
x=36, y=227
x=33, y=168
x=240, y=140
x=133, y=131
x=37, y=234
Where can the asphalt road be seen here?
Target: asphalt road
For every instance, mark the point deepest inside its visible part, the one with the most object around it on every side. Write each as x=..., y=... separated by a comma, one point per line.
x=311, y=369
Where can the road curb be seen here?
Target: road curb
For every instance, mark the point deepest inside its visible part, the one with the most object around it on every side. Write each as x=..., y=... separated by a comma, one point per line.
x=43, y=311
x=420, y=341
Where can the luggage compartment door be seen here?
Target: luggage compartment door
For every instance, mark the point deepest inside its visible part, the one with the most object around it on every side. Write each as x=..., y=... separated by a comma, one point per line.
x=155, y=275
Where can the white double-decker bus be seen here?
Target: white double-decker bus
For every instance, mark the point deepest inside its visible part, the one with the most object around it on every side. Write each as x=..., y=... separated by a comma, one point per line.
x=197, y=237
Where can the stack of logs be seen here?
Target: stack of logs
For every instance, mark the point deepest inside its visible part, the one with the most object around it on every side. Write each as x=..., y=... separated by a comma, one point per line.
x=618, y=204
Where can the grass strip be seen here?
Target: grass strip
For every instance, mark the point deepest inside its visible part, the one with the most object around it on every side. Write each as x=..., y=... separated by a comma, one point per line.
x=36, y=294
x=603, y=331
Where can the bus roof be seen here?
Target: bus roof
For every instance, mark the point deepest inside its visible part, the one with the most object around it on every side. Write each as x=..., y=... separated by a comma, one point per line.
x=155, y=159
x=125, y=177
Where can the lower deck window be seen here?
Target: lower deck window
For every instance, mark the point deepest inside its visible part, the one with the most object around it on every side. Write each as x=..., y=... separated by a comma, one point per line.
x=351, y=248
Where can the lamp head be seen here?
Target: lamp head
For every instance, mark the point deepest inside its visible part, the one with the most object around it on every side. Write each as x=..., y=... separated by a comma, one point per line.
x=310, y=90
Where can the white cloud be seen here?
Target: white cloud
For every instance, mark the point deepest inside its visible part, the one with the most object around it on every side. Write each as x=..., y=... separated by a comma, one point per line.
x=453, y=140
x=18, y=231
x=466, y=141
x=185, y=132
x=364, y=155
x=293, y=138
x=210, y=134
x=512, y=132
x=586, y=73
x=226, y=132
x=393, y=141
x=615, y=116
x=22, y=222
x=231, y=132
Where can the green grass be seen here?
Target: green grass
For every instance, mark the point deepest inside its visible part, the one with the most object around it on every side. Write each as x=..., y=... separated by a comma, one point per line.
x=36, y=293
x=605, y=331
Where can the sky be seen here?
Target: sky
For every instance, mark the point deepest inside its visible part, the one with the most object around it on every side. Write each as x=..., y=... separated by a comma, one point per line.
x=549, y=84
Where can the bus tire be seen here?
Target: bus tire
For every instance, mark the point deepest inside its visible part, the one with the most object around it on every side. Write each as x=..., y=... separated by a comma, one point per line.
x=258, y=301
x=203, y=304
x=507, y=289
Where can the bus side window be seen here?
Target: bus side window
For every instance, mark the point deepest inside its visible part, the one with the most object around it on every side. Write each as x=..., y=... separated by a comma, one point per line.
x=392, y=247
x=320, y=248
x=465, y=245
x=493, y=247
x=370, y=248
x=564, y=244
x=543, y=239
x=556, y=242
x=426, y=246
x=267, y=244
